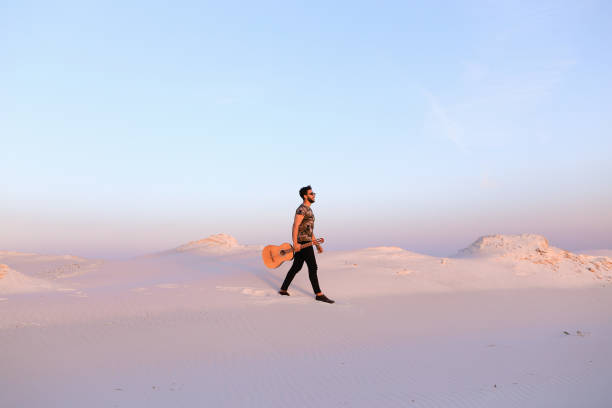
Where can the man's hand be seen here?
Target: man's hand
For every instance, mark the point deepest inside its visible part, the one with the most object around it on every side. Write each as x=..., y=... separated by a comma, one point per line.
x=319, y=248
x=296, y=247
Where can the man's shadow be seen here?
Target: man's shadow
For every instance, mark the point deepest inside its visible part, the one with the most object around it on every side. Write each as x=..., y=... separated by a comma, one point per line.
x=272, y=280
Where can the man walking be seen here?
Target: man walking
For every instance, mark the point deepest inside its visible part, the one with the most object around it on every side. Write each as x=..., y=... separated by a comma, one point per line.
x=302, y=233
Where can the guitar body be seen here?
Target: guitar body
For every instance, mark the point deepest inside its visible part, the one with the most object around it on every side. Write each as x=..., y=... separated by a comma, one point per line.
x=274, y=255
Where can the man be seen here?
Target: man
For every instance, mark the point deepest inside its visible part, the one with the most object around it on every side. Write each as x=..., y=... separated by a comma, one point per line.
x=302, y=233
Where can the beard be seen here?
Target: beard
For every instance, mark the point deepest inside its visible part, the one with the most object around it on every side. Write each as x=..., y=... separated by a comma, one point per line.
x=311, y=200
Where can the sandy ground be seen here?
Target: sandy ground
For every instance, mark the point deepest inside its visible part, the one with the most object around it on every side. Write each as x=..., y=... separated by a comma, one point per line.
x=201, y=331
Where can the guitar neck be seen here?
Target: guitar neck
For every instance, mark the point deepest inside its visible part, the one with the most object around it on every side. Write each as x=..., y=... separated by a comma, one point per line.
x=317, y=242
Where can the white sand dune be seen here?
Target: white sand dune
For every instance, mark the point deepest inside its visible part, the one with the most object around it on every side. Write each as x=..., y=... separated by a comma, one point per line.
x=12, y=281
x=217, y=244
x=509, y=322
x=49, y=267
x=597, y=252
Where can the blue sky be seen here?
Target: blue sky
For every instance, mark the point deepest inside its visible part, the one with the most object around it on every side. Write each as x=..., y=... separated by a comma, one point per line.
x=130, y=128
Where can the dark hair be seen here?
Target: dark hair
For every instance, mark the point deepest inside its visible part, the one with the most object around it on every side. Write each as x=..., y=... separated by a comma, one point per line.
x=304, y=190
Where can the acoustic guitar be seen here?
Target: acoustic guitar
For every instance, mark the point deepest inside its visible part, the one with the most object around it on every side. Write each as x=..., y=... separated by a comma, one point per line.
x=274, y=255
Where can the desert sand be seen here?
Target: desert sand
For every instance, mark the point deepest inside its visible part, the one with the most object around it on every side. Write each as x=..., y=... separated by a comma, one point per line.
x=509, y=321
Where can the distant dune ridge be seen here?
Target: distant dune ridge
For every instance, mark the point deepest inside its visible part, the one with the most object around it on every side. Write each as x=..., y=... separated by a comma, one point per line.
x=216, y=244
x=12, y=281
x=37, y=257
x=24, y=272
x=498, y=244
x=597, y=252
x=535, y=249
x=491, y=262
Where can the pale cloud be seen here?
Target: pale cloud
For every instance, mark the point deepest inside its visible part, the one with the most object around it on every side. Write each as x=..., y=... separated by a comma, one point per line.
x=442, y=122
x=493, y=84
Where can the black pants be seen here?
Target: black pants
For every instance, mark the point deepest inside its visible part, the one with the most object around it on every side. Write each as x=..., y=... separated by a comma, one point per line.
x=305, y=255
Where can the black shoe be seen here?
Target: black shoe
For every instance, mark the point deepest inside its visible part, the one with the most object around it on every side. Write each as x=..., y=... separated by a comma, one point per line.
x=324, y=298
x=284, y=292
